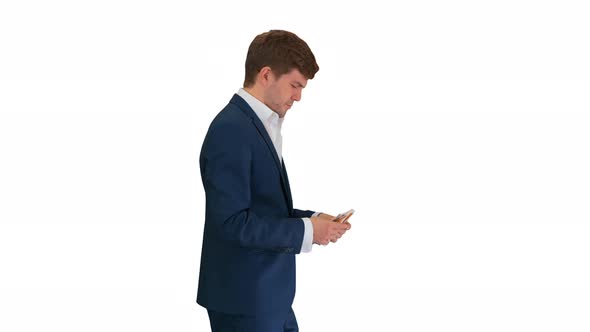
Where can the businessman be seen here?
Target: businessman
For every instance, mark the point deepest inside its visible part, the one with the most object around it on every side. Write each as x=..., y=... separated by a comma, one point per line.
x=252, y=232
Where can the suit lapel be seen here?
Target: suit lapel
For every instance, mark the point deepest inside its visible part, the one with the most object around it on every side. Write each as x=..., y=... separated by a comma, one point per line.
x=262, y=131
x=243, y=105
x=288, y=190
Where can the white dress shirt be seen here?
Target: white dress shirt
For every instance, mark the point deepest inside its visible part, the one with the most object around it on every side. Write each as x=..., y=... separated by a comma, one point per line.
x=273, y=123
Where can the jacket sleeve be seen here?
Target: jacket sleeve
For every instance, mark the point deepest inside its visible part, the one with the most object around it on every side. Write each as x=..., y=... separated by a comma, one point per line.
x=302, y=213
x=226, y=160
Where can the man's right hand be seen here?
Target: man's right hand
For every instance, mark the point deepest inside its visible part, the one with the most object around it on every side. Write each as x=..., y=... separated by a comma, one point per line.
x=325, y=230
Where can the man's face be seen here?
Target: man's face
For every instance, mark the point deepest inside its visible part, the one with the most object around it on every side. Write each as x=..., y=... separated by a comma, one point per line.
x=281, y=93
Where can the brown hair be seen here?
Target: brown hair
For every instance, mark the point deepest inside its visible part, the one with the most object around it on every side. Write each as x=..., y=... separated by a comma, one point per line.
x=282, y=51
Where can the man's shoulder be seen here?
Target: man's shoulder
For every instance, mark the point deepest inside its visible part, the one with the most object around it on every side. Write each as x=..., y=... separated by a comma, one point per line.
x=231, y=122
x=231, y=116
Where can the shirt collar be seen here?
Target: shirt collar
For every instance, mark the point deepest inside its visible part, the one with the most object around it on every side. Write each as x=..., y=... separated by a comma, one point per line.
x=263, y=112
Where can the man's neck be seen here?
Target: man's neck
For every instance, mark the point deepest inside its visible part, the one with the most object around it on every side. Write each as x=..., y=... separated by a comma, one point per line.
x=255, y=93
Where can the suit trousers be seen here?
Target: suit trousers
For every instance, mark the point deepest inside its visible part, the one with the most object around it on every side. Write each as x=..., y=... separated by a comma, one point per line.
x=276, y=322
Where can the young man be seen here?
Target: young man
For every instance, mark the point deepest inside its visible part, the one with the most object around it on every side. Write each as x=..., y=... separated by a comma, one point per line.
x=252, y=232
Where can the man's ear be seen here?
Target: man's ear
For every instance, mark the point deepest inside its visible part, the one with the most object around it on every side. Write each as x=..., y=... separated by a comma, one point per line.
x=264, y=76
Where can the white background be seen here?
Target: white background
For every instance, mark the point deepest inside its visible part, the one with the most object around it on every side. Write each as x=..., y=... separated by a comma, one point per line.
x=458, y=130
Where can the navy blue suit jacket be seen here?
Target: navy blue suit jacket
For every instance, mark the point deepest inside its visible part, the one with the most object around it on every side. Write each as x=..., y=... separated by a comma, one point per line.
x=252, y=232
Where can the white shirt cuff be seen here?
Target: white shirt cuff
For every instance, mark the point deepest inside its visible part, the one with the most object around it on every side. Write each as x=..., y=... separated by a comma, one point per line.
x=308, y=235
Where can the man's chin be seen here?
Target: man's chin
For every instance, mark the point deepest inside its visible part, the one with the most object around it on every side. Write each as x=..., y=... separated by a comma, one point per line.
x=283, y=111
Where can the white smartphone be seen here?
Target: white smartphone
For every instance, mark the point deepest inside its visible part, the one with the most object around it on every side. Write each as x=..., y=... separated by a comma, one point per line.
x=343, y=217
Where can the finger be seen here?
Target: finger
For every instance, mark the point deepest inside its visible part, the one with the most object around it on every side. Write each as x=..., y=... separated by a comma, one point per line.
x=336, y=233
x=343, y=228
x=339, y=225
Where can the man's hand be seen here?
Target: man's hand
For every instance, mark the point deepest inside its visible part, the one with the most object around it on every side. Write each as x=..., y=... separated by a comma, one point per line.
x=325, y=230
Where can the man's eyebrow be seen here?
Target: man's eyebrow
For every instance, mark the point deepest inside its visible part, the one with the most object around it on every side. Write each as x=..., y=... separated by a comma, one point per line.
x=301, y=85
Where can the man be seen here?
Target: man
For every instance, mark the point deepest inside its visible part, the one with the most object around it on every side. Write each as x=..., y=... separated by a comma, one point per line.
x=252, y=232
